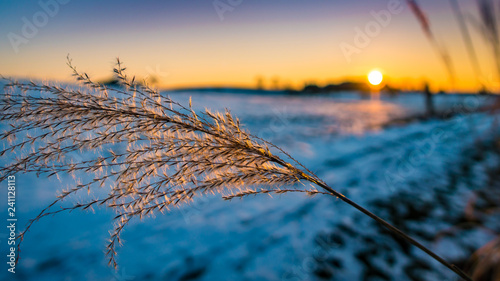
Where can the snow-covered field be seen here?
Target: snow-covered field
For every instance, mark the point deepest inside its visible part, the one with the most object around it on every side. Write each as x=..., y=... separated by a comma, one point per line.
x=411, y=174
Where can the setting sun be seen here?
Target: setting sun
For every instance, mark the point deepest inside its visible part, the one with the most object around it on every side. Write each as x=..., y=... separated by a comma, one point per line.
x=375, y=77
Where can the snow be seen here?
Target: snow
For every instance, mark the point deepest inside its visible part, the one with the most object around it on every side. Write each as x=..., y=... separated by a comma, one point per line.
x=342, y=138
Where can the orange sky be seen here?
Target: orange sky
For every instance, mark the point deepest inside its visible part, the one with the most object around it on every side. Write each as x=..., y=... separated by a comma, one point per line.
x=297, y=47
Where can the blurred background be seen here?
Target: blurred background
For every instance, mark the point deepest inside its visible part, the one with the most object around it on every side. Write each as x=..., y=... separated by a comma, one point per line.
x=393, y=103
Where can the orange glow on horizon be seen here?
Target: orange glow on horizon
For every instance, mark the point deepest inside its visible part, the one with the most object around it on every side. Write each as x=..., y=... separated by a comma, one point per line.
x=278, y=54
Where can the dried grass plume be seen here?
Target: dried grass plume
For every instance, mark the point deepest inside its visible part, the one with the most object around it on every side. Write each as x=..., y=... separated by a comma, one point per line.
x=172, y=154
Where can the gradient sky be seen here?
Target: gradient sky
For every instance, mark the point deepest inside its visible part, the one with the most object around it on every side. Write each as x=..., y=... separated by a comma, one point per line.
x=185, y=42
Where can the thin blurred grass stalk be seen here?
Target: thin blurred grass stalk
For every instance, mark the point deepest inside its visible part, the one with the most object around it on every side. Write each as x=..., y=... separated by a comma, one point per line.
x=490, y=29
x=173, y=153
x=438, y=48
x=484, y=262
x=471, y=52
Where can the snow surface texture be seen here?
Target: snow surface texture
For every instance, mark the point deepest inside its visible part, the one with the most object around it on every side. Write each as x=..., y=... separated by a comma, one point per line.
x=408, y=174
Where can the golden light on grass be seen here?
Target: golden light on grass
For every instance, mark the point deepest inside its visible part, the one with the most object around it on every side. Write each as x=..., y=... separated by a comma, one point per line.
x=375, y=77
x=174, y=154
